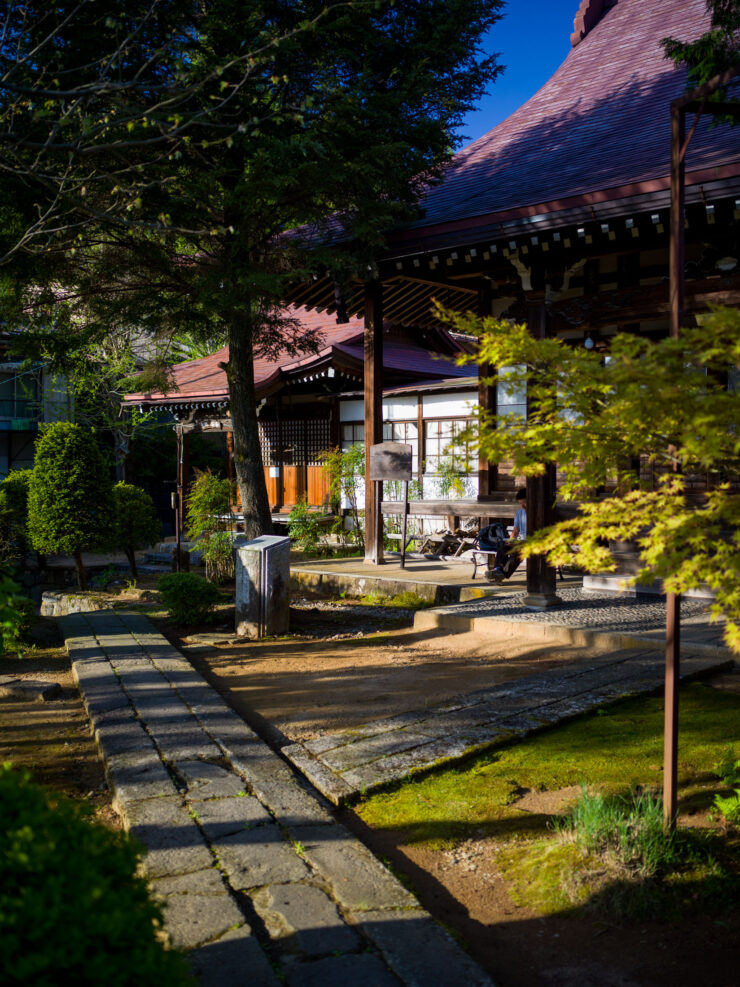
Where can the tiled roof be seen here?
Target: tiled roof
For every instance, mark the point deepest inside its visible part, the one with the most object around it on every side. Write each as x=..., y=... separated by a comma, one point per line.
x=599, y=125
x=205, y=379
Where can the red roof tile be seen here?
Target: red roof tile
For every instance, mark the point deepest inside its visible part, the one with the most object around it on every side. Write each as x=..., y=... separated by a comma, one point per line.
x=601, y=122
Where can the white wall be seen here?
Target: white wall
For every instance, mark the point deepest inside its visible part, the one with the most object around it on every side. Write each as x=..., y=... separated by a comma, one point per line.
x=458, y=405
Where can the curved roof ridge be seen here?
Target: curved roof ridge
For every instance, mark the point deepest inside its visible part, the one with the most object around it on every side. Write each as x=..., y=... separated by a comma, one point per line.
x=587, y=17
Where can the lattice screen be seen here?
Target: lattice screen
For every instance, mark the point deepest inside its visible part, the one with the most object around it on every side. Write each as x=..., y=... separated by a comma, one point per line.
x=294, y=442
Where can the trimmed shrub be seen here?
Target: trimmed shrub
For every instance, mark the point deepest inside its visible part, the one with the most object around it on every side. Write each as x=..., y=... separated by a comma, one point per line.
x=72, y=908
x=136, y=524
x=188, y=598
x=70, y=499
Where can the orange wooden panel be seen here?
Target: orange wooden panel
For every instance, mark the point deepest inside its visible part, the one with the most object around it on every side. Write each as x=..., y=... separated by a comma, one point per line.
x=318, y=486
x=294, y=484
x=271, y=483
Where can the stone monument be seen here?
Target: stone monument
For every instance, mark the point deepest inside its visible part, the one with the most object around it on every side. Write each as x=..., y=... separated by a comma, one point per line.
x=262, y=585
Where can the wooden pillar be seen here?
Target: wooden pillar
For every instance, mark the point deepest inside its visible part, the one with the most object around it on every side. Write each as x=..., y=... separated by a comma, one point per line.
x=183, y=472
x=373, y=417
x=673, y=600
x=540, y=491
x=487, y=472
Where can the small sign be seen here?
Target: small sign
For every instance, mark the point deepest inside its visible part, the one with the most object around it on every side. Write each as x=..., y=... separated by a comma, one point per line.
x=390, y=461
x=274, y=472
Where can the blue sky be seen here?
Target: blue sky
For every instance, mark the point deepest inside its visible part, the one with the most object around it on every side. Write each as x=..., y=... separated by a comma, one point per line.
x=533, y=38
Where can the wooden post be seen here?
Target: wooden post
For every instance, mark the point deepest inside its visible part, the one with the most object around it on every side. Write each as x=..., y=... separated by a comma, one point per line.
x=373, y=417
x=673, y=600
x=540, y=493
x=486, y=399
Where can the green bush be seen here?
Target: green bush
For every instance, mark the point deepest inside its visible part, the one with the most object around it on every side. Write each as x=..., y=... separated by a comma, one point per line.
x=14, y=540
x=188, y=598
x=729, y=807
x=136, y=524
x=16, y=615
x=209, y=499
x=305, y=527
x=70, y=499
x=72, y=908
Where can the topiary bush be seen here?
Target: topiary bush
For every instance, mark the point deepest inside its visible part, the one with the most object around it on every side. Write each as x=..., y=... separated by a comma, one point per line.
x=70, y=499
x=73, y=909
x=136, y=524
x=188, y=598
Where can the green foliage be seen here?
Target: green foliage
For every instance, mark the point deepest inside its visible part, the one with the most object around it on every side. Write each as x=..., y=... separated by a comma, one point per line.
x=306, y=527
x=189, y=599
x=346, y=472
x=451, y=479
x=14, y=540
x=729, y=807
x=666, y=401
x=715, y=51
x=208, y=500
x=70, y=499
x=72, y=907
x=727, y=768
x=16, y=614
x=136, y=524
x=631, y=829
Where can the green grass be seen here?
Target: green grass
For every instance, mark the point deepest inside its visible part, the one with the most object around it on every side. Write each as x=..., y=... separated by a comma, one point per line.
x=407, y=600
x=615, y=751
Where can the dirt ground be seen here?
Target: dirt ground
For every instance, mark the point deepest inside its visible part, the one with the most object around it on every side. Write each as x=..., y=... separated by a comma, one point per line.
x=348, y=665
x=52, y=739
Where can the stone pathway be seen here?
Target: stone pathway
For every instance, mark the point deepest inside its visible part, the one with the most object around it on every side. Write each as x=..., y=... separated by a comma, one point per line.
x=261, y=884
x=343, y=765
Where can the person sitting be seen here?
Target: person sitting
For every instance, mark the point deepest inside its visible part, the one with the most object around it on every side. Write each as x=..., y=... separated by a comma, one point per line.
x=507, y=558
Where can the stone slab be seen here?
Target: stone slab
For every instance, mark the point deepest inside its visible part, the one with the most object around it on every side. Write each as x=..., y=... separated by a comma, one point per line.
x=204, y=780
x=363, y=970
x=304, y=920
x=35, y=690
x=362, y=751
x=328, y=782
x=357, y=878
x=119, y=732
x=203, y=882
x=223, y=817
x=253, y=858
x=172, y=840
x=232, y=959
x=193, y=919
x=419, y=951
x=138, y=775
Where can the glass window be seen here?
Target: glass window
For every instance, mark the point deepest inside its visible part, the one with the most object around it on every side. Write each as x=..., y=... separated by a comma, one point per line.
x=444, y=442
x=511, y=396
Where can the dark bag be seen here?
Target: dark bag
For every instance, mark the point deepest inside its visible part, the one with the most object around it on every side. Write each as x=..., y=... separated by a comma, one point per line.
x=492, y=537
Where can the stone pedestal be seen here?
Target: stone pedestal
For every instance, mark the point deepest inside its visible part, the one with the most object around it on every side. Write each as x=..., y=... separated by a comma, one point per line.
x=262, y=585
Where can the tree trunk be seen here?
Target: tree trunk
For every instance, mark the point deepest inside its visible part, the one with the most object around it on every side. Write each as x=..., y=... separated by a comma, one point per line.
x=122, y=445
x=81, y=578
x=131, y=556
x=250, y=475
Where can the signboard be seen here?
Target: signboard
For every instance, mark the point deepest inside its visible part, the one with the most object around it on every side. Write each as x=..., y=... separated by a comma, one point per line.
x=390, y=461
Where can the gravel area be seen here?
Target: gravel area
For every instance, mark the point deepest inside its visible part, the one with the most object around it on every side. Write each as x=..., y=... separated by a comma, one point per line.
x=579, y=608
x=342, y=620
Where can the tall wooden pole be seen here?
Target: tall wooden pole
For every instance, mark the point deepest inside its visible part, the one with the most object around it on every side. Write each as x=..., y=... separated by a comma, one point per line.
x=673, y=600
x=373, y=417
x=540, y=493
x=486, y=399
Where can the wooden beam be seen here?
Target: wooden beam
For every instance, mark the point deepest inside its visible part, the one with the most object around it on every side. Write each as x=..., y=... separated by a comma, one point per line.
x=487, y=471
x=373, y=417
x=540, y=490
